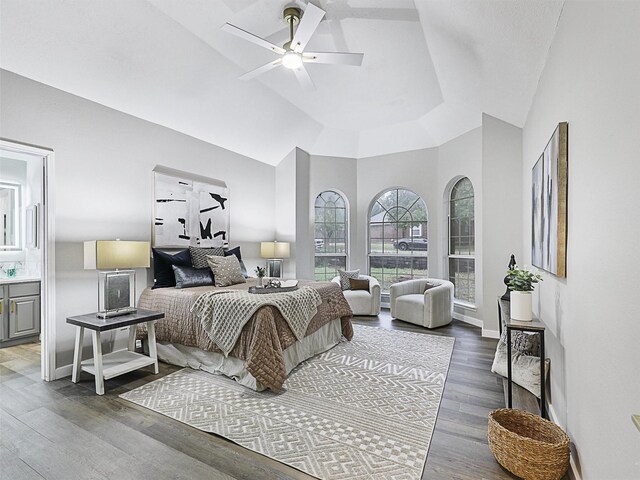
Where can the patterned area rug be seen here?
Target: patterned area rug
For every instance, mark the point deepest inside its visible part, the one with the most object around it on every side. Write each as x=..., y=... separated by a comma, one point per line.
x=365, y=409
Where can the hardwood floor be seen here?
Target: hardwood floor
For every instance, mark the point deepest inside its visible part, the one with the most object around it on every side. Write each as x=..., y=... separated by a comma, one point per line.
x=62, y=430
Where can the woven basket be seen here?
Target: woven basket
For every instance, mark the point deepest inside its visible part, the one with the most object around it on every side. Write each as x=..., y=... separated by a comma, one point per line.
x=528, y=445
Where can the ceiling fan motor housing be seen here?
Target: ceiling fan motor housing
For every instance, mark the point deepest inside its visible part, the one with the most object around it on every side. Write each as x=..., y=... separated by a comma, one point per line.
x=292, y=14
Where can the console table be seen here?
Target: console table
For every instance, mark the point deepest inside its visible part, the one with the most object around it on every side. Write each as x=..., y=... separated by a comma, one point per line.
x=104, y=367
x=533, y=326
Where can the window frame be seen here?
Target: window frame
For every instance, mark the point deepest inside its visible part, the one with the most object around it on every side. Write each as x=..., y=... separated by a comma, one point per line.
x=346, y=222
x=398, y=254
x=452, y=256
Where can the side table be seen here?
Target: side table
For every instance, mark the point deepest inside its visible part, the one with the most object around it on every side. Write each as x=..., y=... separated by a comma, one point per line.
x=533, y=326
x=104, y=367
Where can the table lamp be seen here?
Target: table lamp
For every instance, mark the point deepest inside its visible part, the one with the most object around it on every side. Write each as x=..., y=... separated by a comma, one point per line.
x=274, y=252
x=115, y=261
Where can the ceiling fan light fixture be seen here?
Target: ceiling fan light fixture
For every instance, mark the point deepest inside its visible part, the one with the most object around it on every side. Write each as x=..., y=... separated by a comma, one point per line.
x=292, y=60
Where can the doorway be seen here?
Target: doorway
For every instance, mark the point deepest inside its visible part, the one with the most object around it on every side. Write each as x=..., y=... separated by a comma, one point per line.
x=27, y=253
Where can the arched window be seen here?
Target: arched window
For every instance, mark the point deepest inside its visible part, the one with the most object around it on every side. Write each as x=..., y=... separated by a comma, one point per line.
x=462, y=241
x=397, y=237
x=330, y=235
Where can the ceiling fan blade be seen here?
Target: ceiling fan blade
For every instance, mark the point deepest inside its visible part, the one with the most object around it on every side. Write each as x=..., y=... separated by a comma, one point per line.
x=337, y=58
x=238, y=32
x=308, y=24
x=260, y=70
x=303, y=77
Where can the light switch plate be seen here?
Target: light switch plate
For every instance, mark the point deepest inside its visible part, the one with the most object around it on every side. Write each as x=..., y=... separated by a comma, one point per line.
x=636, y=420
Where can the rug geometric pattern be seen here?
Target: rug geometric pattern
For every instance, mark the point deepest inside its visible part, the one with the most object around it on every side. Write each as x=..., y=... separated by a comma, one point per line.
x=365, y=409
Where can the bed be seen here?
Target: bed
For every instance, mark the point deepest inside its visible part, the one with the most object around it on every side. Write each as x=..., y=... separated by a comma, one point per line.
x=266, y=349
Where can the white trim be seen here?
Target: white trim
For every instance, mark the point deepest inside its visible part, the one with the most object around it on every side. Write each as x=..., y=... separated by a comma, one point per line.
x=48, y=280
x=573, y=469
x=62, y=372
x=467, y=306
x=467, y=319
x=490, y=333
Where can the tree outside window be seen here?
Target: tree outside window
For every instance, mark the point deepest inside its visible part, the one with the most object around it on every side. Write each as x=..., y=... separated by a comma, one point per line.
x=330, y=239
x=398, y=243
x=462, y=241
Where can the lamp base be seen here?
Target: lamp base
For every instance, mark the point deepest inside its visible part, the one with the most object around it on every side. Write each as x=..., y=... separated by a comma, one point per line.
x=274, y=268
x=116, y=313
x=116, y=293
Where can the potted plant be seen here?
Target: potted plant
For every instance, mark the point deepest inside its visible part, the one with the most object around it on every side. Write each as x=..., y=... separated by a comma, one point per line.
x=521, y=283
x=261, y=272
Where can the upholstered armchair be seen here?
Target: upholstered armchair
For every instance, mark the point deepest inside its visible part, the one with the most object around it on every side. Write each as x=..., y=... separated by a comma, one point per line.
x=427, y=302
x=363, y=302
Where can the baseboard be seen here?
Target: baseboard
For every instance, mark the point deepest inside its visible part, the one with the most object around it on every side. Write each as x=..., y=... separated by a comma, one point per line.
x=466, y=319
x=573, y=469
x=490, y=333
x=63, y=372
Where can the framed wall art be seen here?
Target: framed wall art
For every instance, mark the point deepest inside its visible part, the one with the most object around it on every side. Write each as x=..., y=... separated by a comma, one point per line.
x=549, y=205
x=189, y=210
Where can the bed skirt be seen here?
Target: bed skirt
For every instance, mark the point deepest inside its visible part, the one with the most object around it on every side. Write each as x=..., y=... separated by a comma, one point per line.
x=325, y=338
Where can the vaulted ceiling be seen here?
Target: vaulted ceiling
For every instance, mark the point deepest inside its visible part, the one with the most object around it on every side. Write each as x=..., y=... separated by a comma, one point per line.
x=430, y=69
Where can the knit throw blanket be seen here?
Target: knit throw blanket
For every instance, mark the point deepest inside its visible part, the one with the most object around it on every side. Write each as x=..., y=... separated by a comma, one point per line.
x=224, y=313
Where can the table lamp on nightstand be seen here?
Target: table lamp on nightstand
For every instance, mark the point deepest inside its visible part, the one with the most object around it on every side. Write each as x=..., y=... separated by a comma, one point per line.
x=115, y=261
x=274, y=252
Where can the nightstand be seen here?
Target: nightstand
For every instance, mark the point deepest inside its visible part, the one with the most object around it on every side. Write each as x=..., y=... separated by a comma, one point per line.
x=104, y=367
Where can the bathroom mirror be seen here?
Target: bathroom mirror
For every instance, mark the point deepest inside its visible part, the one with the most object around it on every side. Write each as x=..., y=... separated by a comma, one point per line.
x=9, y=216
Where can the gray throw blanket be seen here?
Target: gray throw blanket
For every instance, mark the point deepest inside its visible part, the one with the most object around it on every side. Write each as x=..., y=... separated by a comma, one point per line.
x=224, y=313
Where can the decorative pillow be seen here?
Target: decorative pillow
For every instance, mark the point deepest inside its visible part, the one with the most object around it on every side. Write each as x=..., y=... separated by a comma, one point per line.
x=525, y=371
x=226, y=270
x=346, y=276
x=187, y=277
x=199, y=255
x=359, y=284
x=162, y=272
x=428, y=286
x=236, y=251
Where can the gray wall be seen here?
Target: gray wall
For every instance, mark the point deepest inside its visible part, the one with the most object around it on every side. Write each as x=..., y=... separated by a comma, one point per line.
x=591, y=80
x=416, y=170
x=501, y=209
x=285, y=206
x=340, y=174
x=103, y=183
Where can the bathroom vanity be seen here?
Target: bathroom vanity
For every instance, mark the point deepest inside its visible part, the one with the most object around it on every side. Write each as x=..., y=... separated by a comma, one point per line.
x=19, y=311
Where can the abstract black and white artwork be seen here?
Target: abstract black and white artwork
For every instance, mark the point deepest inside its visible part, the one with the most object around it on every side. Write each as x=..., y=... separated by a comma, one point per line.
x=537, y=184
x=189, y=213
x=549, y=205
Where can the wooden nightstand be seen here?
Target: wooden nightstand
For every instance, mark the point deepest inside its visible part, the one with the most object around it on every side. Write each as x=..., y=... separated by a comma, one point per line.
x=104, y=367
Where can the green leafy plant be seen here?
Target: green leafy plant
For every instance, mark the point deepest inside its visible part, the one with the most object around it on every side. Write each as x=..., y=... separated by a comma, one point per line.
x=521, y=280
x=261, y=272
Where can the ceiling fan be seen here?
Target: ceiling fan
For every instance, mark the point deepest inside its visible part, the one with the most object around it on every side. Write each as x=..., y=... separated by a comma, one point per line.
x=292, y=54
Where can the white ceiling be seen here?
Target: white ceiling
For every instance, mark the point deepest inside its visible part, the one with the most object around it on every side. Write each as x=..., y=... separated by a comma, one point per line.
x=430, y=69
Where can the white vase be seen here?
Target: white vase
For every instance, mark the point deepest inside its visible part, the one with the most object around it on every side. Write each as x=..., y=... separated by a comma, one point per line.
x=260, y=281
x=521, y=306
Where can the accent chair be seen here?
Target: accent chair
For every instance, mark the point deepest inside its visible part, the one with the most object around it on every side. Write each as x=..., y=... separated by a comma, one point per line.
x=363, y=302
x=427, y=302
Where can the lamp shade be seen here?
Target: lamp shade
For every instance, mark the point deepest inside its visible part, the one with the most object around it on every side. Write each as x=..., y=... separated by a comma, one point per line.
x=274, y=249
x=112, y=254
